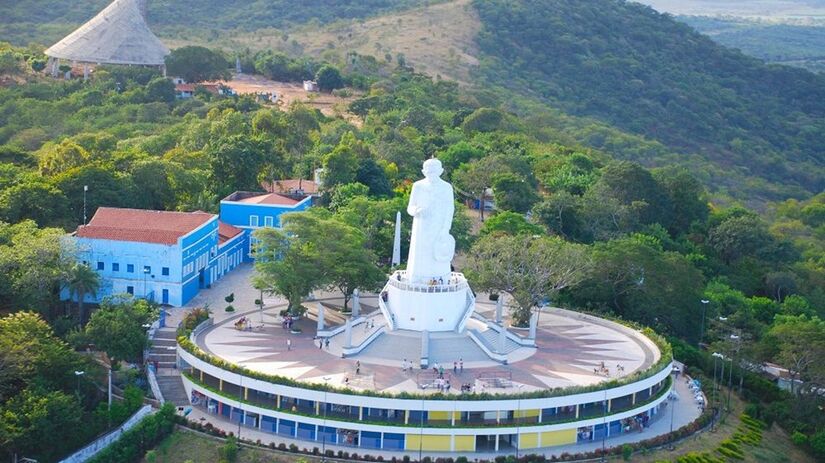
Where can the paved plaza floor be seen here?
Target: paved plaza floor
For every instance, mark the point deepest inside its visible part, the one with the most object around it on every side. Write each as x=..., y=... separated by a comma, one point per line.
x=571, y=349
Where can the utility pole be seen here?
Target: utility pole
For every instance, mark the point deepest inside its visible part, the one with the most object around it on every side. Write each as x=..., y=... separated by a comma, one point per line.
x=85, y=189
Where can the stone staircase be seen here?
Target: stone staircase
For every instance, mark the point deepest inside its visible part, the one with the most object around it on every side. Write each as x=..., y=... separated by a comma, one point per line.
x=163, y=348
x=168, y=377
x=490, y=338
x=171, y=386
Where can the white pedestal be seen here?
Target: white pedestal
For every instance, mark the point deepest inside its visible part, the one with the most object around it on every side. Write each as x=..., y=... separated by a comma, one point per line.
x=429, y=307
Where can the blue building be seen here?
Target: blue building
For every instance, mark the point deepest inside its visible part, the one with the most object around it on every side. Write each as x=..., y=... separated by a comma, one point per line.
x=167, y=257
x=162, y=256
x=251, y=211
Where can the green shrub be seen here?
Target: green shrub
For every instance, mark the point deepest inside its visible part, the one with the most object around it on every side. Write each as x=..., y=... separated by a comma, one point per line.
x=147, y=433
x=627, y=452
x=229, y=308
x=229, y=451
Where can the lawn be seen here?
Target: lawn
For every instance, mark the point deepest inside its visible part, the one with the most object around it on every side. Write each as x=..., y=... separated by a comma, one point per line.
x=185, y=446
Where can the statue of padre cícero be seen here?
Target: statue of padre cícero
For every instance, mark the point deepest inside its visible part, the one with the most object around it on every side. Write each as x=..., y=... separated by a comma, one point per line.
x=431, y=245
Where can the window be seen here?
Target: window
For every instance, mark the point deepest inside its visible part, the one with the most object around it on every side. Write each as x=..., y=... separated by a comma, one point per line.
x=147, y=269
x=130, y=268
x=115, y=267
x=253, y=220
x=164, y=271
x=130, y=290
x=268, y=221
x=100, y=265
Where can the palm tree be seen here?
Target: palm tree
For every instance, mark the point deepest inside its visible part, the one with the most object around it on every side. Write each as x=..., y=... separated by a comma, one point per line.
x=82, y=280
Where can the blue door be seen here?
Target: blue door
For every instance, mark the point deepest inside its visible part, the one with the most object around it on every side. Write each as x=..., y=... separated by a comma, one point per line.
x=165, y=296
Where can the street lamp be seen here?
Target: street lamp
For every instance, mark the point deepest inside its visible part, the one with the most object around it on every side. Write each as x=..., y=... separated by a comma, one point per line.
x=79, y=373
x=672, y=405
x=702, y=326
x=716, y=355
x=324, y=430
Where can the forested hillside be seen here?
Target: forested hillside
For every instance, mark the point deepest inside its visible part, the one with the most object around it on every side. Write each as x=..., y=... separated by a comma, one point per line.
x=648, y=74
x=30, y=19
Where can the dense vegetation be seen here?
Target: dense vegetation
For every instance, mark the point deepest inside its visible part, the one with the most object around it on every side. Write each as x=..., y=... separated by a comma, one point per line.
x=647, y=244
x=28, y=20
x=790, y=44
x=648, y=74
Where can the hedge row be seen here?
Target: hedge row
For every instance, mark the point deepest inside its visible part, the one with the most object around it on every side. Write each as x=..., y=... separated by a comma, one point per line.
x=663, y=362
x=133, y=444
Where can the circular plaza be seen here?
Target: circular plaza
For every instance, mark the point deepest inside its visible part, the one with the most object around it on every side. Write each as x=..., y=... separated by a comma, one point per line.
x=350, y=380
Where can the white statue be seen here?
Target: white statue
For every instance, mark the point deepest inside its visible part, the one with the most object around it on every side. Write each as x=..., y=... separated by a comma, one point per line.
x=431, y=245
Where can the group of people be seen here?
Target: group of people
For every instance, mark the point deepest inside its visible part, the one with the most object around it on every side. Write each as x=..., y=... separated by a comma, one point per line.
x=603, y=370
x=243, y=324
x=286, y=323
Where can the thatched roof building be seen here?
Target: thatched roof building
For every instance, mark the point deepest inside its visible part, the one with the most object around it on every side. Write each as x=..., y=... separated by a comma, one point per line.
x=117, y=35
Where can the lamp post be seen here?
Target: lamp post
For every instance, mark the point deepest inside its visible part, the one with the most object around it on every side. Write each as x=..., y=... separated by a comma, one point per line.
x=604, y=423
x=79, y=373
x=324, y=430
x=85, y=189
x=702, y=326
x=240, y=403
x=716, y=355
x=672, y=405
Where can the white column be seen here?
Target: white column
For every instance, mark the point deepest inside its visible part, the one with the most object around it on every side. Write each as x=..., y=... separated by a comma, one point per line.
x=502, y=339
x=356, y=303
x=348, y=333
x=396, y=243
x=534, y=321
x=499, y=307
x=320, y=317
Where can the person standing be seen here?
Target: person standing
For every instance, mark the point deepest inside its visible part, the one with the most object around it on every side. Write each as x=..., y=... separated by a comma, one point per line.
x=461, y=365
x=289, y=344
x=357, y=367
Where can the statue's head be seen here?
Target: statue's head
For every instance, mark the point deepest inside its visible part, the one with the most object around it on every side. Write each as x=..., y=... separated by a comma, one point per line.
x=432, y=168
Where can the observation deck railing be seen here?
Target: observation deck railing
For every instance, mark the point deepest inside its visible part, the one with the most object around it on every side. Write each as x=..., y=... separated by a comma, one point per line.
x=455, y=283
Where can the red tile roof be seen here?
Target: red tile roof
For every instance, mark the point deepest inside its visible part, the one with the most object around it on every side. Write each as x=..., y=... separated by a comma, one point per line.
x=144, y=226
x=226, y=232
x=291, y=186
x=269, y=198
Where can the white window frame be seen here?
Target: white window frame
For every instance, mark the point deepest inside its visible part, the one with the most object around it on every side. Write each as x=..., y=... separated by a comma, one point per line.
x=253, y=221
x=269, y=221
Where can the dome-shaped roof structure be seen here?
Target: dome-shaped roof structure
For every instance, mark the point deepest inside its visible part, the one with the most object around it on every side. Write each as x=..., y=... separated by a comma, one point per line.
x=117, y=35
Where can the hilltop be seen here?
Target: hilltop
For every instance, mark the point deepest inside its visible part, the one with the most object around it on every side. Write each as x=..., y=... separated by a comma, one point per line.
x=616, y=76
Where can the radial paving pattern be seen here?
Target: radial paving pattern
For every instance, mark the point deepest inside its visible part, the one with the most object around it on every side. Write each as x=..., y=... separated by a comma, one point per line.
x=571, y=350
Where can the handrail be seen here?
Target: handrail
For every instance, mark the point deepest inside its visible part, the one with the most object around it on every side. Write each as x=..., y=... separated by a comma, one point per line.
x=397, y=280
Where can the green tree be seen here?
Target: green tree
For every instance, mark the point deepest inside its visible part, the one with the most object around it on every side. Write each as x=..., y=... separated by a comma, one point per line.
x=161, y=89
x=288, y=262
x=329, y=78
x=530, y=269
x=235, y=163
x=634, y=278
x=513, y=193
x=341, y=165
x=57, y=158
x=34, y=200
x=687, y=198
x=32, y=356
x=197, y=64
x=509, y=223
x=33, y=262
x=800, y=347
x=42, y=425
x=560, y=213
x=80, y=281
x=117, y=327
